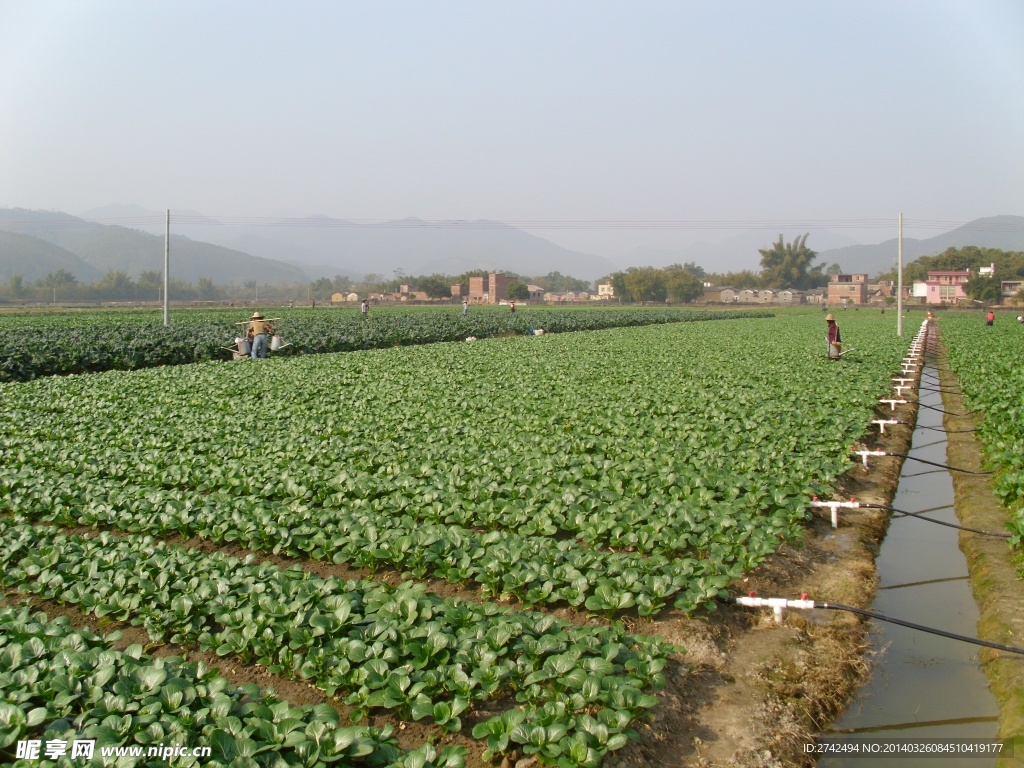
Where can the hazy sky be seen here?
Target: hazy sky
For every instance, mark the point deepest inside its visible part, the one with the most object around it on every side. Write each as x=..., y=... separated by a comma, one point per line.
x=726, y=112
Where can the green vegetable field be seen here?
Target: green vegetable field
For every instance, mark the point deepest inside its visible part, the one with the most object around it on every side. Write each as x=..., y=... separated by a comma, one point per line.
x=621, y=472
x=34, y=344
x=987, y=363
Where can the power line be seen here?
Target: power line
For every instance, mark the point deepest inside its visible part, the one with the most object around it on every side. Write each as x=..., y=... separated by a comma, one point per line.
x=532, y=224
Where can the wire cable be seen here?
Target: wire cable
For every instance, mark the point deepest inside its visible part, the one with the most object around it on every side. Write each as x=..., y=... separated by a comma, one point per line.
x=940, y=390
x=941, y=429
x=936, y=464
x=57, y=221
x=920, y=516
x=920, y=627
x=948, y=413
x=805, y=604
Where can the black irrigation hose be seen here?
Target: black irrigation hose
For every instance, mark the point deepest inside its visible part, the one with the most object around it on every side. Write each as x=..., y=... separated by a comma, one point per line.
x=920, y=516
x=729, y=600
x=936, y=464
x=949, y=391
x=912, y=625
x=947, y=431
x=948, y=413
x=937, y=429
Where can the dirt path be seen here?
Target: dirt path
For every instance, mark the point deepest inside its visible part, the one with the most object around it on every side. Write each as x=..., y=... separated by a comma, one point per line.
x=995, y=579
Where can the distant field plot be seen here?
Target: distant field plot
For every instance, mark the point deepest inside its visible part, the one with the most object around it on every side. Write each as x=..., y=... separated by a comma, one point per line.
x=632, y=470
x=987, y=363
x=34, y=344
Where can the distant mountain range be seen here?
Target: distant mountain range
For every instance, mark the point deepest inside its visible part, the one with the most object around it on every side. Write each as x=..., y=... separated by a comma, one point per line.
x=1003, y=232
x=36, y=243
x=740, y=252
x=323, y=246
x=130, y=239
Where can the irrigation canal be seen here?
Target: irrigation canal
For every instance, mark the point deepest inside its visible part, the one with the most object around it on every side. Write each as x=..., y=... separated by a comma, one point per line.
x=923, y=686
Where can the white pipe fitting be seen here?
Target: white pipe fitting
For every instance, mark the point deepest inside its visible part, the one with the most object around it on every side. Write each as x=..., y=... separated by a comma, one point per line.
x=864, y=455
x=835, y=506
x=777, y=604
x=882, y=424
x=892, y=402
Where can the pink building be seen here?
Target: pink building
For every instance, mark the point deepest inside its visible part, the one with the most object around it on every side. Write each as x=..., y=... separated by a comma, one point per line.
x=947, y=286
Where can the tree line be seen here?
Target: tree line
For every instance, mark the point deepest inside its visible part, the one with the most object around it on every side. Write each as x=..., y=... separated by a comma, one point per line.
x=64, y=286
x=1009, y=265
x=783, y=265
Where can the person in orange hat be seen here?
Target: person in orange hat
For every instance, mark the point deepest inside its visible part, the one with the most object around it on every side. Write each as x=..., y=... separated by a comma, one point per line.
x=835, y=340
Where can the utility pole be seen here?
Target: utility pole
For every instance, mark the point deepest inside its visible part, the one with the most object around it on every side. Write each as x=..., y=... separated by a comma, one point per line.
x=899, y=283
x=167, y=266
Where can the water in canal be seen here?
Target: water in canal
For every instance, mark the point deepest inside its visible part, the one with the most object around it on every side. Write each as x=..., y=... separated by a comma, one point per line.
x=923, y=686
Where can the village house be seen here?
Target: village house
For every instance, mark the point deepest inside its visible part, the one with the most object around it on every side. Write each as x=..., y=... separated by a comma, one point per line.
x=714, y=294
x=1010, y=288
x=946, y=286
x=489, y=289
x=849, y=289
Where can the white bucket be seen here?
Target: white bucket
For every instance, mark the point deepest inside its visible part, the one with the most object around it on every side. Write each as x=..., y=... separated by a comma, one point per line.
x=835, y=351
x=244, y=347
x=276, y=342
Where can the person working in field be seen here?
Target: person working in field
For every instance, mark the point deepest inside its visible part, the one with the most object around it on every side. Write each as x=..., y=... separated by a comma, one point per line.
x=259, y=330
x=835, y=341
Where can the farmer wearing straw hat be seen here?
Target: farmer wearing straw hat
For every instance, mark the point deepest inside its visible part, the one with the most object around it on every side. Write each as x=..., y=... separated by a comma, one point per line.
x=835, y=342
x=258, y=331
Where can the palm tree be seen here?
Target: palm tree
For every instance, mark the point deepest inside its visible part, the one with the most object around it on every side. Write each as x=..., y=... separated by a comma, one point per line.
x=788, y=265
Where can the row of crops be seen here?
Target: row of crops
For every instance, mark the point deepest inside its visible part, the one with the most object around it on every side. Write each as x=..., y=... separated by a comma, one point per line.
x=986, y=361
x=66, y=685
x=35, y=344
x=630, y=471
